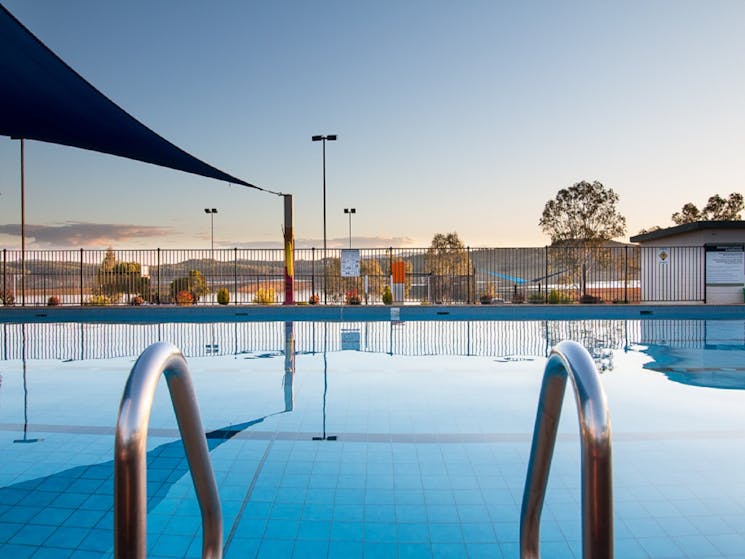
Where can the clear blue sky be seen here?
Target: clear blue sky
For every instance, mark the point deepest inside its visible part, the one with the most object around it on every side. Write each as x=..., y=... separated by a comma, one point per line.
x=452, y=116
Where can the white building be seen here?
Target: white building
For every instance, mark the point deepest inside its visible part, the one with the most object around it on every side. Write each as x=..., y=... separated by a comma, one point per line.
x=700, y=262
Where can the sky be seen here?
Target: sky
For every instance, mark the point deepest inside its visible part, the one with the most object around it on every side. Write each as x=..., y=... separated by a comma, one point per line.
x=451, y=116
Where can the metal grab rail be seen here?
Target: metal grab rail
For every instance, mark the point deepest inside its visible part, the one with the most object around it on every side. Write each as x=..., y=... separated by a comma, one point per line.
x=570, y=359
x=130, y=461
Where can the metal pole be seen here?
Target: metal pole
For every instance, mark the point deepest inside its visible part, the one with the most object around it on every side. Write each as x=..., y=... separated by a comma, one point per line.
x=130, y=463
x=324, y=221
x=350, y=229
x=158, y=280
x=468, y=270
x=23, y=227
x=571, y=360
x=626, y=274
x=289, y=242
x=81, y=277
x=313, y=271
x=323, y=138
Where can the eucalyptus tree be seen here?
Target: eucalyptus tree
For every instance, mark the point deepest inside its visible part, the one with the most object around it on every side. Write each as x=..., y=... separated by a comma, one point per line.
x=580, y=220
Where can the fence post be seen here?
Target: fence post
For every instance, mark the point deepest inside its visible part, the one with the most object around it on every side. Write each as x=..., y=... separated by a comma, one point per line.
x=390, y=264
x=81, y=277
x=235, y=273
x=158, y=279
x=468, y=287
x=5, y=270
x=313, y=270
x=545, y=262
x=626, y=274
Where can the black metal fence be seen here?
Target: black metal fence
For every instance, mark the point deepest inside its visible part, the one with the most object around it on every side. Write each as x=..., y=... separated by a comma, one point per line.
x=609, y=274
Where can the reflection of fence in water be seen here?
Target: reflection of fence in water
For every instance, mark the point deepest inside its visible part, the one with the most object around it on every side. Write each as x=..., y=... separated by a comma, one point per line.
x=80, y=341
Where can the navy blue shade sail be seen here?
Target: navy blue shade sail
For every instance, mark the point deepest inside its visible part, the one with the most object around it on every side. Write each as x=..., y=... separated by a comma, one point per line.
x=42, y=98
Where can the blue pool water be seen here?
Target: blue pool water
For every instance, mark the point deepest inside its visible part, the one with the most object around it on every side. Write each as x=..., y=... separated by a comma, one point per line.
x=375, y=439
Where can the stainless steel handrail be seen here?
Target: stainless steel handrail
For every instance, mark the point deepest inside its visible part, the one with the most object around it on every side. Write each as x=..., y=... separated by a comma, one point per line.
x=130, y=461
x=570, y=359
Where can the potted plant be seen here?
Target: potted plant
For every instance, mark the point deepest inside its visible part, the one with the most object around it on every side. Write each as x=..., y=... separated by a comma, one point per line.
x=387, y=295
x=314, y=300
x=353, y=298
x=223, y=296
x=184, y=297
x=53, y=301
x=487, y=296
x=136, y=301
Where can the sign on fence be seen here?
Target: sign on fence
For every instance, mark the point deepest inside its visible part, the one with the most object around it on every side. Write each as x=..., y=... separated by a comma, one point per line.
x=350, y=263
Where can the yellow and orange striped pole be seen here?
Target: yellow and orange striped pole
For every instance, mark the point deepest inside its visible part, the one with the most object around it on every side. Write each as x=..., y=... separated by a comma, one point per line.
x=289, y=242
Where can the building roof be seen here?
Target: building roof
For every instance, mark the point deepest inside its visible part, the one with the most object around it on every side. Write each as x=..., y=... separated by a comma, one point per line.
x=686, y=228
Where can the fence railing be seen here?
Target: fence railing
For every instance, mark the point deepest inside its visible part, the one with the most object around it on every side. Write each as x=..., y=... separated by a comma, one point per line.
x=244, y=276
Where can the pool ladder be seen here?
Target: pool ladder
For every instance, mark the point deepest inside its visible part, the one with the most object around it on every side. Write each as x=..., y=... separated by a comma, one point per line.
x=567, y=359
x=570, y=359
x=130, y=461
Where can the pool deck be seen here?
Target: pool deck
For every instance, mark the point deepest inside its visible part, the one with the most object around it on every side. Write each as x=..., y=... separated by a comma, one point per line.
x=149, y=314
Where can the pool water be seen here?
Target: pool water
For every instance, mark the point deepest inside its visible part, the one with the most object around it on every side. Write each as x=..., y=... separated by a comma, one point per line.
x=375, y=439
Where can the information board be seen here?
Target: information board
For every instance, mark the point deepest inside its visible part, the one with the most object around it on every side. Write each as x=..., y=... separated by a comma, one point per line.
x=350, y=263
x=725, y=266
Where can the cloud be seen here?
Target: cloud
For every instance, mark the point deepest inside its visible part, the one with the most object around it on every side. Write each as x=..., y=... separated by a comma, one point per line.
x=341, y=242
x=82, y=234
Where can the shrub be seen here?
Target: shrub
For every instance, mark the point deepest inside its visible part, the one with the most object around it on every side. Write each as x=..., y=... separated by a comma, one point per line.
x=136, y=301
x=488, y=295
x=223, y=296
x=558, y=298
x=535, y=298
x=518, y=297
x=53, y=301
x=387, y=295
x=264, y=296
x=99, y=300
x=185, y=297
x=6, y=298
x=314, y=299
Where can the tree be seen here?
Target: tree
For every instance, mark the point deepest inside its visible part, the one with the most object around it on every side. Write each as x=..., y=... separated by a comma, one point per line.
x=114, y=277
x=579, y=221
x=716, y=209
x=447, y=261
x=585, y=213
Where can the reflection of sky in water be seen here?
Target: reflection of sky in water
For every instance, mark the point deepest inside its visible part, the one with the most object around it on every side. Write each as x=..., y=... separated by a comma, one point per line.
x=473, y=406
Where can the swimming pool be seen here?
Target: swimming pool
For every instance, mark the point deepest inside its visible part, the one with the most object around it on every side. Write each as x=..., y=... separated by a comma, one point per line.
x=375, y=439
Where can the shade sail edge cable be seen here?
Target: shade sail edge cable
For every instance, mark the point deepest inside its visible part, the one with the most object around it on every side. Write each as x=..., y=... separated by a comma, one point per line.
x=43, y=98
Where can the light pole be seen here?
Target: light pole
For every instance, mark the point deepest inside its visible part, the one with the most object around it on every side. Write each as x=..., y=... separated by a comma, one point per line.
x=212, y=212
x=350, y=211
x=323, y=138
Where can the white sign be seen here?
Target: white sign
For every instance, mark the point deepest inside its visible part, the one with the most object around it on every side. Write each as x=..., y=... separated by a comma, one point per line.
x=663, y=255
x=725, y=267
x=350, y=263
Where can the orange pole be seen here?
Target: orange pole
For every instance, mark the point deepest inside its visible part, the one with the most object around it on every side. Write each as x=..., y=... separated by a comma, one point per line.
x=289, y=242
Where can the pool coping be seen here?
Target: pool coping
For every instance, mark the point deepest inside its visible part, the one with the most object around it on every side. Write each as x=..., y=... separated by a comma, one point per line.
x=363, y=313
